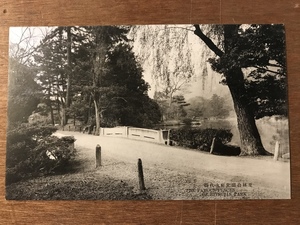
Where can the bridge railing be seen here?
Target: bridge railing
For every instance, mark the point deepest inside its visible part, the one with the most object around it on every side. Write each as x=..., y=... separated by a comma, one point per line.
x=158, y=136
x=115, y=131
x=144, y=134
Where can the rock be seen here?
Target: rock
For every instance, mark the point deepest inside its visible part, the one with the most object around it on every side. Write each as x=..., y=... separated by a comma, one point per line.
x=218, y=148
x=286, y=156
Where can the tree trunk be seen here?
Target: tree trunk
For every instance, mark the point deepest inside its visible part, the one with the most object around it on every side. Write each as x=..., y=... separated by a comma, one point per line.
x=63, y=117
x=51, y=114
x=69, y=40
x=50, y=106
x=250, y=139
x=63, y=121
x=88, y=113
x=58, y=108
x=97, y=117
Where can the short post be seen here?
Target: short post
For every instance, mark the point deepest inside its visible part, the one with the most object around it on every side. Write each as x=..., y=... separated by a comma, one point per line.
x=277, y=149
x=98, y=156
x=212, y=146
x=141, y=175
x=69, y=128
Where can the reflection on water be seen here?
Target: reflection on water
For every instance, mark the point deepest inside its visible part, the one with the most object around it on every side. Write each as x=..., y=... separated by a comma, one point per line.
x=270, y=129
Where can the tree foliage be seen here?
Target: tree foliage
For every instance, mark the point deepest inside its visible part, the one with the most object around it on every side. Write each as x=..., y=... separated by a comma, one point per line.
x=106, y=81
x=215, y=107
x=237, y=53
x=164, y=51
x=267, y=94
x=23, y=92
x=251, y=46
x=28, y=148
x=260, y=50
x=92, y=73
x=53, y=60
x=131, y=104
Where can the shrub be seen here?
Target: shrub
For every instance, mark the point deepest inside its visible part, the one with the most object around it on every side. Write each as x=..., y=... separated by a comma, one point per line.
x=199, y=138
x=32, y=151
x=187, y=121
x=68, y=139
x=23, y=139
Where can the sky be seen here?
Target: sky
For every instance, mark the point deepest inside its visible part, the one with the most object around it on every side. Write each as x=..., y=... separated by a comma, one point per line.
x=23, y=34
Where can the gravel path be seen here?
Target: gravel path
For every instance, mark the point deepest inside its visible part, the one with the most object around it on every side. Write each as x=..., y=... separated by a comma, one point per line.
x=176, y=173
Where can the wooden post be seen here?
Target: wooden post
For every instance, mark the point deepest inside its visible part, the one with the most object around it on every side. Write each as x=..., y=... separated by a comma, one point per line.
x=277, y=150
x=212, y=146
x=141, y=175
x=98, y=156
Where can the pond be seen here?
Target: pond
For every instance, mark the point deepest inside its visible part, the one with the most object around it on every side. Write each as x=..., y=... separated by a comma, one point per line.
x=270, y=129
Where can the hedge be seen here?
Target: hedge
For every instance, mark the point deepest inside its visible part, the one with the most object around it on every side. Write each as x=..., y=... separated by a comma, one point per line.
x=200, y=139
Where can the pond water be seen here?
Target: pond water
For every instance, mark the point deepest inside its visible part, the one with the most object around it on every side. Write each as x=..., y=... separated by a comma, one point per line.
x=270, y=129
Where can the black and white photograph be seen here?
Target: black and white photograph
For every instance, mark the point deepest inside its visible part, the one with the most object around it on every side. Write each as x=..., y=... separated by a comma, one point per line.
x=148, y=112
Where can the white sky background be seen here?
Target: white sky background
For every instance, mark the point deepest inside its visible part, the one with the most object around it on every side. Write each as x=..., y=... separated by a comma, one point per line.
x=28, y=37
x=24, y=34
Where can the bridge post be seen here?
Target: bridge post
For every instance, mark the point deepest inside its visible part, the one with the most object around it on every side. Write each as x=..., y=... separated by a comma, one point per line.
x=98, y=155
x=141, y=175
x=165, y=136
x=277, y=150
x=212, y=146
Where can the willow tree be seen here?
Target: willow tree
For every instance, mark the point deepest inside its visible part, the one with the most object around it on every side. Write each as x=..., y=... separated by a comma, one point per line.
x=163, y=49
x=233, y=51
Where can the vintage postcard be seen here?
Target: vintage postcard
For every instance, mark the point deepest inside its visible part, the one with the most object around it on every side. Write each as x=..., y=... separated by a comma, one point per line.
x=148, y=112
